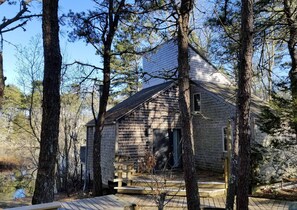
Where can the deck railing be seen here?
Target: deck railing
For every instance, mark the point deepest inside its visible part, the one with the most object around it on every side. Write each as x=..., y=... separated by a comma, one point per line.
x=44, y=206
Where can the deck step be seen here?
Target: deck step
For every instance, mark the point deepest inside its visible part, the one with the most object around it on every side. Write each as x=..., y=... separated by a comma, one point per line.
x=214, y=185
x=171, y=191
x=172, y=183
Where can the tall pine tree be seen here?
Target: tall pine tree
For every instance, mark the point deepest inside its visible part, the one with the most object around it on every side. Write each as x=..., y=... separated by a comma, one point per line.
x=45, y=181
x=243, y=103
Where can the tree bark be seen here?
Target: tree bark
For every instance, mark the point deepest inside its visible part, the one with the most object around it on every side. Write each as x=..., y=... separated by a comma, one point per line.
x=45, y=181
x=290, y=8
x=244, y=98
x=234, y=165
x=67, y=146
x=114, y=15
x=185, y=106
x=99, y=125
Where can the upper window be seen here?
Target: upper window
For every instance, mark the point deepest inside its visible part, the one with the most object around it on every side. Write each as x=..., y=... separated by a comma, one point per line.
x=225, y=138
x=197, y=102
x=90, y=131
x=225, y=143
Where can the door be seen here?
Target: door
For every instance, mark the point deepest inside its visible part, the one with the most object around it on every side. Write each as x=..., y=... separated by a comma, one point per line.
x=177, y=148
x=162, y=149
x=167, y=148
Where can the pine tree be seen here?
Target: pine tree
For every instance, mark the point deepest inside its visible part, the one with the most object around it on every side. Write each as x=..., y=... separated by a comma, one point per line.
x=243, y=103
x=45, y=181
x=185, y=9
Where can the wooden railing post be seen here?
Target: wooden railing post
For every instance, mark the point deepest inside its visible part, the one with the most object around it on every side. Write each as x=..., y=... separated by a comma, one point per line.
x=226, y=171
x=228, y=156
x=129, y=175
x=120, y=175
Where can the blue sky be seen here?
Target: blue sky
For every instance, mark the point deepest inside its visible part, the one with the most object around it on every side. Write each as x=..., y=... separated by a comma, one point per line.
x=74, y=51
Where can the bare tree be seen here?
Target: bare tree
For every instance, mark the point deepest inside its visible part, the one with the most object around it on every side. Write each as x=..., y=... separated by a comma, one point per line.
x=7, y=25
x=44, y=187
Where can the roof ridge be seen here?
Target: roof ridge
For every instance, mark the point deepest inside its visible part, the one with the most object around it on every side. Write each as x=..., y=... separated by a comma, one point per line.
x=134, y=101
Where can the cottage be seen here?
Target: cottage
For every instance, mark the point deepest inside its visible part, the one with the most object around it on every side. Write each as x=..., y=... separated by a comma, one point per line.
x=150, y=119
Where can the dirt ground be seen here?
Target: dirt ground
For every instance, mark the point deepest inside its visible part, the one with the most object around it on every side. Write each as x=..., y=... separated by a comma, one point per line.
x=281, y=194
x=7, y=201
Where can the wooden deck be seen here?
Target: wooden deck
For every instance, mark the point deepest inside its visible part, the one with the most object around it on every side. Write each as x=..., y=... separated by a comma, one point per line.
x=145, y=202
x=128, y=182
x=104, y=202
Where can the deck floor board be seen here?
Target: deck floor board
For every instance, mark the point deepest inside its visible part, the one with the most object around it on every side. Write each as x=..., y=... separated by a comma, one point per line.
x=97, y=203
x=120, y=201
x=145, y=202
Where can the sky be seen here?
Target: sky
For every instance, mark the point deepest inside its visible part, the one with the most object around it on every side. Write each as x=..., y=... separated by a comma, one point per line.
x=74, y=51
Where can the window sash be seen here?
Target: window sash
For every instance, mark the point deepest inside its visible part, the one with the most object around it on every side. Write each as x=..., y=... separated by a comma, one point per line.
x=197, y=102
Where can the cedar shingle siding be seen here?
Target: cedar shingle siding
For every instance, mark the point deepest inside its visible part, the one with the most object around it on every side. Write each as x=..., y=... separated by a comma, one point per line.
x=107, y=151
x=132, y=133
x=207, y=125
x=131, y=125
x=135, y=130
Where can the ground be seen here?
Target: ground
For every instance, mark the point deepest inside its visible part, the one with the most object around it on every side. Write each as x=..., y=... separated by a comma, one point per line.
x=281, y=194
x=6, y=201
x=12, y=179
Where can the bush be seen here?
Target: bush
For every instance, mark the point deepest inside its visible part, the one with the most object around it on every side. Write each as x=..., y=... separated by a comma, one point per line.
x=273, y=162
x=11, y=181
x=8, y=163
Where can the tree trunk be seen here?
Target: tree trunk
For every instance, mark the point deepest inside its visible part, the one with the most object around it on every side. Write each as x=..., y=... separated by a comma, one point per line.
x=161, y=202
x=76, y=157
x=113, y=21
x=58, y=176
x=234, y=163
x=45, y=181
x=67, y=146
x=2, y=79
x=185, y=106
x=99, y=123
x=271, y=58
x=244, y=98
x=290, y=8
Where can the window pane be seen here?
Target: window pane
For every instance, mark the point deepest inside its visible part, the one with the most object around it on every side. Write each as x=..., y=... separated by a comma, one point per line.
x=225, y=139
x=197, y=102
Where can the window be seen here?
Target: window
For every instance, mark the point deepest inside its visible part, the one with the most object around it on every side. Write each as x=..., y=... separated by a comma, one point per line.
x=197, y=102
x=225, y=136
x=90, y=131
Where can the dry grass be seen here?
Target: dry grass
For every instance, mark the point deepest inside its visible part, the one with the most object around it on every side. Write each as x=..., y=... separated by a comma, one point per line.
x=280, y=194
x=8, y=163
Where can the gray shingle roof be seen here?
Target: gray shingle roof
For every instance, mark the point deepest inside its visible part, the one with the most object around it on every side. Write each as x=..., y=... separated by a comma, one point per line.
x=225, y=92
x=133, y=102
